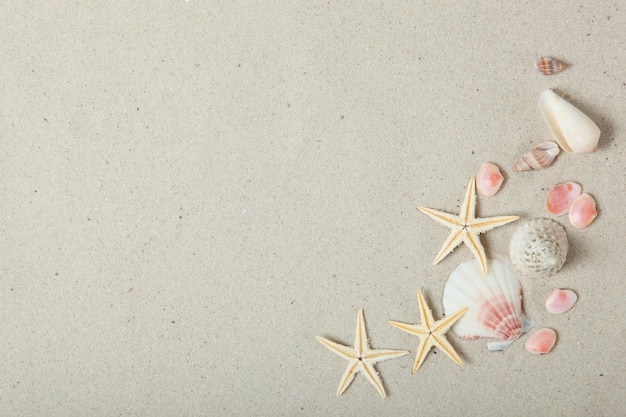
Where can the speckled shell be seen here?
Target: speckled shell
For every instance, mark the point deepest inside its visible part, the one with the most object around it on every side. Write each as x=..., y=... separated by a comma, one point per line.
x=537, y=158
x=494, y=303
x=549, y=66
x=539, y=248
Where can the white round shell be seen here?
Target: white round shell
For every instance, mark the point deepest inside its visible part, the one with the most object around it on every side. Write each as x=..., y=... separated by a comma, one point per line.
x=539, y=248
x=494, y=303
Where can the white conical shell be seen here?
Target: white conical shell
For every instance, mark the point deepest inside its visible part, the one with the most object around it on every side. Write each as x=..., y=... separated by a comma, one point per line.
x=539, y=248
x=572, y=129
x=494, y=303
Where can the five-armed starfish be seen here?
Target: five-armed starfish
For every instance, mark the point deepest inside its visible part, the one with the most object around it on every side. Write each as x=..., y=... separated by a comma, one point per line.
x=362, y=358
x=466, y=227
x=430, y=332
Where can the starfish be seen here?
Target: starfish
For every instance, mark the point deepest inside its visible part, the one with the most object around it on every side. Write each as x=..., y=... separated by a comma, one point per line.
x=431, y=332
x=466, y=228
x=362, y=358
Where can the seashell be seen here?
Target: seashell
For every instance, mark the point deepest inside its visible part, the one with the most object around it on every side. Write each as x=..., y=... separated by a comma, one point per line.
x=494, y=303
x=572, y=129
x=582, y=211
x=539, y=248
x=549, y=66
x=541, y=342
x=561, y=301
x=488, y=179
x=539, y=157
x=561, y=196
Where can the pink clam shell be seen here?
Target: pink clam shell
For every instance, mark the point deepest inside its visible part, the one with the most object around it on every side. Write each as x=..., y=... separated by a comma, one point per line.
x=541, y=342
x=488, y=179
x=582, y=211
x=561, y=196
x=561, y=301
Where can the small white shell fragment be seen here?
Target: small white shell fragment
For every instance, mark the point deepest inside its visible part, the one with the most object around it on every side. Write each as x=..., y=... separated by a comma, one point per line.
x=539, y=248
x=561, y=301
x=572, y=129
x=539, y=157
x=541, y=342
x=488, y=179
x=561, y=196
x=549, y=66
x=582, y=211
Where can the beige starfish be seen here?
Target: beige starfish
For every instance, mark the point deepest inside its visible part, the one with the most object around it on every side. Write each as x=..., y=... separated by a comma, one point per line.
x=431, y=332
x=362, y=358
x=466, y=227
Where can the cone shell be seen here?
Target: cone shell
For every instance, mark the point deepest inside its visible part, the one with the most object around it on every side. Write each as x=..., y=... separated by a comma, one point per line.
x=549, y=66
x=539, y=157
x=561, y=196
x=494, y=303
x=582, y=211
x=488, y=179
x=539, y=248
x=574, y=131
x=541, y=342
x=561, y=301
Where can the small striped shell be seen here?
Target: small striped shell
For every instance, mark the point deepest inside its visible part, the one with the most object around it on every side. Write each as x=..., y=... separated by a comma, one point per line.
x=539, y=157
x=494, y=303
x=539, y=248
x=549, y=66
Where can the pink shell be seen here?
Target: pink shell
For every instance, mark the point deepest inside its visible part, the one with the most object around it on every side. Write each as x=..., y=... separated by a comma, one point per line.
x=489, y=179
x=561, y=196
x=561, y=301
x=541, y=342
x=582, y=211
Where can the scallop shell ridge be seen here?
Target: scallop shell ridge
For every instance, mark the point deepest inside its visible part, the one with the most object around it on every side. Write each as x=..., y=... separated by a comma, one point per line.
x=494, y=303
x=539, y=248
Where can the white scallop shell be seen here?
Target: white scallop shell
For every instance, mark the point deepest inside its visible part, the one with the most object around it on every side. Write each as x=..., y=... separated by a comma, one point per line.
x=494, y=303
x=539, y=248
x=572, y=129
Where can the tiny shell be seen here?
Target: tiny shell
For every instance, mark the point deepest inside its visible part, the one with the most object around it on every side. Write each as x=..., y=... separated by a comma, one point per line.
x=582, y=211
x=574, y=131
x=548, y=66
x=561, y=196
x=541, y=342
x=561, y=301
x=539, y=248
x=488, y=179
x=539, y=157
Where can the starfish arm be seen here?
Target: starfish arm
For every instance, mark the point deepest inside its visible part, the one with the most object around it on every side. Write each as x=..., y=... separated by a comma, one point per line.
x=379, y=355
x=454, y=240
x=425, y=312
x=361, y=343
x=410, y=328
x=468, y=208
x=442, y=343
x=443, y=325
x=372, y=376
x=472, y=241
x=447, y=219
x=422, y=350
x=483, y=225
x=351, y=371
x=341, y=350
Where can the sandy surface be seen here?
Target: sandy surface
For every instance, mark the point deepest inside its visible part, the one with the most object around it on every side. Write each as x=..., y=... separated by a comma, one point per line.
x=191, y=192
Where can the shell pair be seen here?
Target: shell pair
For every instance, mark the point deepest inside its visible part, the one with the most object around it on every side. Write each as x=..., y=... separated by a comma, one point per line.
x=567, y=197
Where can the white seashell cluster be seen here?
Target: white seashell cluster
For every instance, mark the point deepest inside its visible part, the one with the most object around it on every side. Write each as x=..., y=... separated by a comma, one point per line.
x=572, y=129
x=539, y=248
x=494, y=303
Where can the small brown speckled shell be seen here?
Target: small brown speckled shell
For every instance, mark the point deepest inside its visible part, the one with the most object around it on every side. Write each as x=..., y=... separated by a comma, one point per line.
x=539, y=157
x=549, y=66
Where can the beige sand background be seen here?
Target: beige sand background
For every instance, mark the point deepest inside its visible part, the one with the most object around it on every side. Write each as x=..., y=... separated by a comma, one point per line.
x=192, y=191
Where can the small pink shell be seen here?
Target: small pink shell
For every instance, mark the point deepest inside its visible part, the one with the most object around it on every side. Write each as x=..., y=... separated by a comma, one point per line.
x=541, y=342
x=561, y=196
x=582, y=211
x=489, y=179
x=561, y=301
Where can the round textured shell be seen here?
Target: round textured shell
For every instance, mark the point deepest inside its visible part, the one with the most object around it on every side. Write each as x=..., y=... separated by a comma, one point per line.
x=539, y=248
x=494, y=303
